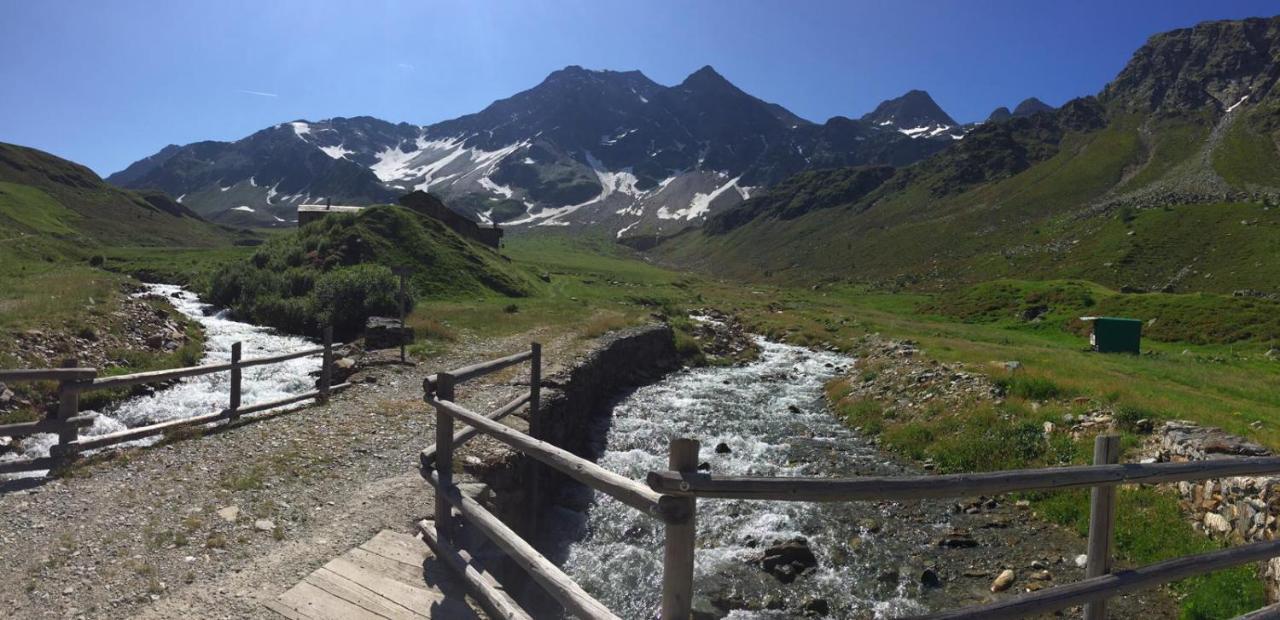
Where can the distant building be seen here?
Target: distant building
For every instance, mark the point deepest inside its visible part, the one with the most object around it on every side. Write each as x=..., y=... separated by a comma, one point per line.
x=422, y=203
x=426, y=204
x=311, y=213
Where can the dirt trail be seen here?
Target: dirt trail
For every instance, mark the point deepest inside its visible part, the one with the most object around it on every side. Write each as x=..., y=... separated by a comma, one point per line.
x=213, y=526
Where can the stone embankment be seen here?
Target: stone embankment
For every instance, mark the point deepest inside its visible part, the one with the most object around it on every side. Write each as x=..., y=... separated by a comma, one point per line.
x=1236, y=510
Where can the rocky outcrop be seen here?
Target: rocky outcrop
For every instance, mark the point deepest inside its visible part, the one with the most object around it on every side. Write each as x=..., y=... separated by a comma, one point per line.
x=1213, y=64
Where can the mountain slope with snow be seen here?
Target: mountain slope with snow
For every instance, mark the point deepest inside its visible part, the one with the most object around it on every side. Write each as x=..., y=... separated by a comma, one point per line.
x=609, y=149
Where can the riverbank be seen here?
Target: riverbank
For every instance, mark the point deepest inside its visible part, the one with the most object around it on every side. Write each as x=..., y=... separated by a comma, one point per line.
x=124, y=329
x=955, y=418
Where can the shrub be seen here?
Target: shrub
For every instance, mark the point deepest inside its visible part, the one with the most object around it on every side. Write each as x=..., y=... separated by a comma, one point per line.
x=689, y=350
x=1030, y=388
x=1127, y=416
x=346, y=298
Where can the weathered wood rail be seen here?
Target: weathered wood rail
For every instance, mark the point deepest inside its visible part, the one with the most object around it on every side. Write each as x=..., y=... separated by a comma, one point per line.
x=67, y=421
x=671, y=497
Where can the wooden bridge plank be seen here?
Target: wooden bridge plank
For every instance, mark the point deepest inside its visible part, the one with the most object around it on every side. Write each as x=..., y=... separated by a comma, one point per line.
x=382, y=579
x=400, y=547
x=387, y=587
x=378, y=565
x=356, y=594
x=305, y=601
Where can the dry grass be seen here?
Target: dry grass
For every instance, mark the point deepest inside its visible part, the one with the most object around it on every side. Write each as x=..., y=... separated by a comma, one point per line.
x=604, y=323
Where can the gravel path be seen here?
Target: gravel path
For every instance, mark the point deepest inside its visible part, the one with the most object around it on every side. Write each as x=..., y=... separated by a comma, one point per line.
x=213, y=526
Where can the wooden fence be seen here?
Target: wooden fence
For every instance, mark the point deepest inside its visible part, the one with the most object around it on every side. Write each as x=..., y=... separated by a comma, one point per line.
x=671, y=498
x=67, y=421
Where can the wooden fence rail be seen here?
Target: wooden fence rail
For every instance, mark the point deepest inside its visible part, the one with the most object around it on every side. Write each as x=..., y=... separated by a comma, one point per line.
x=73, y=380
x=672, y=496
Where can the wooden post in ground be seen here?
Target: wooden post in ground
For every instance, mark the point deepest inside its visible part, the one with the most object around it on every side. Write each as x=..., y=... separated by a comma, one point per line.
x=235, y=380
x=533, y=470
x=326, y=365
x=1102, y=519
x=68, y=407
x=401, y=299
x=444, y=456
x=677, y=565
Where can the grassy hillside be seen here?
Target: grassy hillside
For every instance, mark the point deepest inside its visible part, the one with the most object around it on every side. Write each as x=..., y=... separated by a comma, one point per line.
x=58, y=219
x=1094, y=210
x=338, y=271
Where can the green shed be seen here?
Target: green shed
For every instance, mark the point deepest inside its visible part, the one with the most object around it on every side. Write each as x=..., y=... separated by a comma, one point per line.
x=1114, y=335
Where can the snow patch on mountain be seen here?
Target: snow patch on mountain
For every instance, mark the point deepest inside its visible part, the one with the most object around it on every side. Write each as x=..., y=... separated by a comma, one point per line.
x=700, y=205
x=622, y=181
x=502, y=190
x=336, y=152
x=392, y=162
x=300, y=129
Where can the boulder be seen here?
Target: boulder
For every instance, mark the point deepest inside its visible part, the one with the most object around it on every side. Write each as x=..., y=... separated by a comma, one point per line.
x=929, y=578
x=788, y=560
x=385, y=333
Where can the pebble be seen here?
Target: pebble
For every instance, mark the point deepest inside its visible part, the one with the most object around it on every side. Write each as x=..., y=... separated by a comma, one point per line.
x=1003, y=581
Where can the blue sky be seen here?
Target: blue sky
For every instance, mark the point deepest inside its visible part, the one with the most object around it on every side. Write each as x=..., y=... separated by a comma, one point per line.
x=106, y=83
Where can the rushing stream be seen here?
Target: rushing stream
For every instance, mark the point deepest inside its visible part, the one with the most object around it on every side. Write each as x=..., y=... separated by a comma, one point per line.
x=772, y=416
x=206, y=393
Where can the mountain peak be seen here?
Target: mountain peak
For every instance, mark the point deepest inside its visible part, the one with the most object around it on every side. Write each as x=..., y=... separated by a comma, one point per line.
x=915, y=108
x=1030, y=106
x=707, y=77
x=999, y=114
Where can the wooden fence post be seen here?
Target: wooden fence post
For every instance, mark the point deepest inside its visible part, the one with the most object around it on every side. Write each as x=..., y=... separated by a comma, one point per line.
x=68, y=407
x=533, y=469
x=677, y=564
x=400, y=298
x=1102, y=519
x=235, y=380
x=444, y=456
x=326, y=365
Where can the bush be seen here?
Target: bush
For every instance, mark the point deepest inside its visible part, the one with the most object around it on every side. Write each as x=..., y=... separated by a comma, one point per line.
x=1127, y=416
x=1030, y=388
x=689, y=350
x=346, y=298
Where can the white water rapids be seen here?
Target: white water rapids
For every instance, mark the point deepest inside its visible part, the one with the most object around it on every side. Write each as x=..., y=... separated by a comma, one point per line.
x=773, y=417
x=203, y=394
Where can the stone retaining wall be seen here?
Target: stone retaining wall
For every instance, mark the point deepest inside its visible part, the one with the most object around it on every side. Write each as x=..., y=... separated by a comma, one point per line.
x=1237, y=510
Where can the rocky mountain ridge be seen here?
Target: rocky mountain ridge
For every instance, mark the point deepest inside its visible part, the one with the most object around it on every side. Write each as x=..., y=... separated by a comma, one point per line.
x=610, y=149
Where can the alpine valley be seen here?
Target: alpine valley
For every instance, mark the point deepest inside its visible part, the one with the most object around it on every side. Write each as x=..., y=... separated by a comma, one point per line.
x=1166, y=180
x=609, y=149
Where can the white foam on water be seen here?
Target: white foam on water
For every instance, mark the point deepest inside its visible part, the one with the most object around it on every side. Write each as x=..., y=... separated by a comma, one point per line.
x=618, y=553
x=206, y=393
